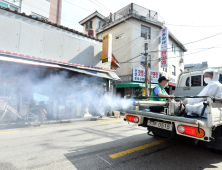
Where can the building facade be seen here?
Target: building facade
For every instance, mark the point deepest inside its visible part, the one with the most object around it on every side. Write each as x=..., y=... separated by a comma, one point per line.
x=45, y=9
x=92, y=23
x=48, y=65
x=128, y=27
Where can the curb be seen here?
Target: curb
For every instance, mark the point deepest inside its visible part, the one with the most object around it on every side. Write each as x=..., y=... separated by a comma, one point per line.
x=49, y=122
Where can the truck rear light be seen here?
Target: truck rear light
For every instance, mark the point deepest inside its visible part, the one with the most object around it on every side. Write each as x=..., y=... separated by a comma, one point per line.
x=191, y=131
x=134, y=119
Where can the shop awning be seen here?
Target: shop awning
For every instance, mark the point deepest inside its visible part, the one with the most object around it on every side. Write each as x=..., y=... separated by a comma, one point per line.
x=22, y=61
x=132, y=84
x=91, y=73
x=114, y=76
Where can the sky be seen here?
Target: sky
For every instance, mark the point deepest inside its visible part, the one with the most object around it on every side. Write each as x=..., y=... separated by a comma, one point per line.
x=189, y=21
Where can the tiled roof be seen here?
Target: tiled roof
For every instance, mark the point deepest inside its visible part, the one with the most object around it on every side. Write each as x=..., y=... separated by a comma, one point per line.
x=81, y=66
x=92, y=15
x=51, y=23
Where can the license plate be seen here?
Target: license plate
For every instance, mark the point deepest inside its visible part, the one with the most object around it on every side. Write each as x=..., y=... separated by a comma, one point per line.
x=161, y=125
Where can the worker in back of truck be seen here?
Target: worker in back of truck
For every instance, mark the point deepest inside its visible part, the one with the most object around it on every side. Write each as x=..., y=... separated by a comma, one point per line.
x=159, y=91
x=213, y=88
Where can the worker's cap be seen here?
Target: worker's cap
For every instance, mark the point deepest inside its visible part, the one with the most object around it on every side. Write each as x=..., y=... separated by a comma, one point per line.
x=162, y=78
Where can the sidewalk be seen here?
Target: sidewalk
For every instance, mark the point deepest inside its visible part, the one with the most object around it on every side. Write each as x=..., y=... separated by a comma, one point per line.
x=14, y=125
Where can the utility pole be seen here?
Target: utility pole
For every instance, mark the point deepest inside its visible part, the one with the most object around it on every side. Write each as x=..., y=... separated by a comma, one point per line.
x=146, y=63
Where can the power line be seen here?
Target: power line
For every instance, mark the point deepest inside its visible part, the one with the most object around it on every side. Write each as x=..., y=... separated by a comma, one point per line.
x=125, y=45
x=204, y=38
x=194, y=26
x=171, y=57
x=78, y=6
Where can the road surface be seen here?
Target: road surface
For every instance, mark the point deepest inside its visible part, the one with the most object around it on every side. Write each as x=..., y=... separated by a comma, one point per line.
x=102, y=144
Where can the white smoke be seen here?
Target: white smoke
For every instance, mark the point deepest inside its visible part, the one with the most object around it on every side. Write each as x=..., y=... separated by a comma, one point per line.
x=50, y=88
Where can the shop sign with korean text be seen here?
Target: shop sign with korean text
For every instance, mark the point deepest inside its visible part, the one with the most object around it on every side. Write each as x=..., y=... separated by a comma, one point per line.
x=107, y=48
x=139, y=75
x=164, y=46
x=164, y=60
x=164, y=38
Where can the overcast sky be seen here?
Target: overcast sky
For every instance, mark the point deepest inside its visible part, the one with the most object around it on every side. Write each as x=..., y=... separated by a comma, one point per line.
x=188, y=20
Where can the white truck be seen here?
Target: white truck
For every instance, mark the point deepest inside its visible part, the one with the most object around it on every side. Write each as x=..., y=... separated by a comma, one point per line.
x=166, y=125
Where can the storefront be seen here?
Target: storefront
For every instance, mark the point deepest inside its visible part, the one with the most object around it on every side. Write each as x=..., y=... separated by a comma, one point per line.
x=64, y=91
x=136, y=88
x=131, y=89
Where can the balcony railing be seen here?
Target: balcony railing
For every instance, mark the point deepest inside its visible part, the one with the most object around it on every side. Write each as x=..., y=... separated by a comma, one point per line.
x=130, y=9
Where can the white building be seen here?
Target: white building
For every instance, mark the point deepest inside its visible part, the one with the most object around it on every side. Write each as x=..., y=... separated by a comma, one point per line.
x=45, y=9
x=128, y=27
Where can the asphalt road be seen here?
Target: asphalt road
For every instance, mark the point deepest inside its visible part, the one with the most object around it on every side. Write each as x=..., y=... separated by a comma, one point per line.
x=102, y=144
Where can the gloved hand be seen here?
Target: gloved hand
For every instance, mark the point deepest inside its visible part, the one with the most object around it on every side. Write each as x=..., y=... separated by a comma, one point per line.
x=185, y=102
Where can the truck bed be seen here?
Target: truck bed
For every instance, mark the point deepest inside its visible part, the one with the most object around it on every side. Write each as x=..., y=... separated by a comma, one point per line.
x=193, y=120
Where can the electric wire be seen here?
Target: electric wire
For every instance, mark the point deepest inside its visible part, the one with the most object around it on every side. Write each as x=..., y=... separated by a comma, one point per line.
x=171, y=57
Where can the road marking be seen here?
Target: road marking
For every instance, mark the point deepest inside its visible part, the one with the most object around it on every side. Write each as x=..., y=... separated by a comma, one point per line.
x=123, y=153
x=9, y=132
x=103, y=159
x=111, y=121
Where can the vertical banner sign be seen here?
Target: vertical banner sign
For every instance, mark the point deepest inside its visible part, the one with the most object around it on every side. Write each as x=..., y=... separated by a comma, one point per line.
x=164, y=61
x=107, y=48
x=164, y=43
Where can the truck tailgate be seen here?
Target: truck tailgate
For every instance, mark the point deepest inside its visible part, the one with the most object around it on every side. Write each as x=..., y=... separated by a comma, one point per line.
x=201, y=121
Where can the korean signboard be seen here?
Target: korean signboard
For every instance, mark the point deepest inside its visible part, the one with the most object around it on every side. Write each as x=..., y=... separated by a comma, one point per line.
x=164, y=60
x=164, y=42
x=107, y=48
x=139, y=75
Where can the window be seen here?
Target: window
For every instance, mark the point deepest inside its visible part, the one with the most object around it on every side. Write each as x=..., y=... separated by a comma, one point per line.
x=173, y=48
x=181, y=54
x=89, y=25
x=5, y=5
x=36, y=15
x=144, y=30
x=173, y=70
x=165, y=69
x=195, y=81
x=119, y=36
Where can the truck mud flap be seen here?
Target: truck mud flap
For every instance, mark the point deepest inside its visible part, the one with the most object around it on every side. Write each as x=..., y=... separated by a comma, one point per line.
x=216, y=139
x=161, y=133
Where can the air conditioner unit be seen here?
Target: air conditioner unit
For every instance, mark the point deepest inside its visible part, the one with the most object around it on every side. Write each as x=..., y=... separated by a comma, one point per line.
x=181, y=60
